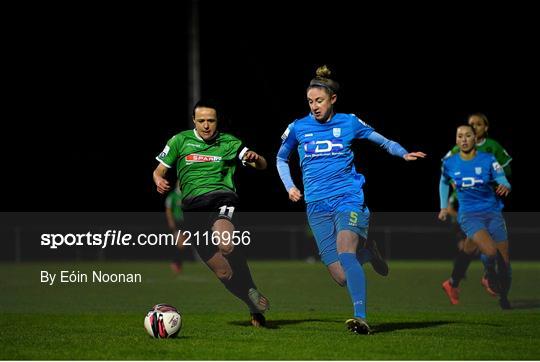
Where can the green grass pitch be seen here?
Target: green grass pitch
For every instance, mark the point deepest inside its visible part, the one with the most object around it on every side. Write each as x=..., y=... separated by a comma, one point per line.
x=410, y=315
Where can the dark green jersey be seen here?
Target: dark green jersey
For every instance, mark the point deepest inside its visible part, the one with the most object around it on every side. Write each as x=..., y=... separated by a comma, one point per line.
x=202, y=166
x=174, y=202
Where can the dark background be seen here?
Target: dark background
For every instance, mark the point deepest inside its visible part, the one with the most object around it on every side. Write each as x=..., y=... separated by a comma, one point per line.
x=94, y=94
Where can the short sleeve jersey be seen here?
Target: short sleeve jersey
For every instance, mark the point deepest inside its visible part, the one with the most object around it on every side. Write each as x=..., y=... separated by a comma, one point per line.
x=203, y=166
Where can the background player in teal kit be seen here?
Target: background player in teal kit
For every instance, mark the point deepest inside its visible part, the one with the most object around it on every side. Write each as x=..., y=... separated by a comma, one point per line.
x=336, y=210
x=480, y=123
x=474, y=175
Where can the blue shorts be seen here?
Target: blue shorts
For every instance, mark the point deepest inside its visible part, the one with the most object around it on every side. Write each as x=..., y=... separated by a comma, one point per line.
x=492, y=222
x=328, y=217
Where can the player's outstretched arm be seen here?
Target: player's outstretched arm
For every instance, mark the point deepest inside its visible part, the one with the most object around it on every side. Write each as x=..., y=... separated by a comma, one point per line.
x=162, y=185
x=255, y=160
x=394, y=148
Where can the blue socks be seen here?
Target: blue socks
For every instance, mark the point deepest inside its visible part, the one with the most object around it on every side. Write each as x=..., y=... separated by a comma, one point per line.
x=356, y=282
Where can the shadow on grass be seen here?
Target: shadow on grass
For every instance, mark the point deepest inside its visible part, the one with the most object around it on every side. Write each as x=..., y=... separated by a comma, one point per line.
x=396, y=326
x=525, y=303
x=277, y=323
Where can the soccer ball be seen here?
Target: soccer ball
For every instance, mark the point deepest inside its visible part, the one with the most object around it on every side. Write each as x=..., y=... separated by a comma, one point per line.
x=163, y=321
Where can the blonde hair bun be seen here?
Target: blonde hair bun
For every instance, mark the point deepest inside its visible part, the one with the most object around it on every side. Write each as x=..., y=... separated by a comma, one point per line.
x=323, y=72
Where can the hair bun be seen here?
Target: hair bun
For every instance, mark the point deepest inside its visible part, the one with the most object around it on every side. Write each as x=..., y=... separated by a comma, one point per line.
x=323, y=72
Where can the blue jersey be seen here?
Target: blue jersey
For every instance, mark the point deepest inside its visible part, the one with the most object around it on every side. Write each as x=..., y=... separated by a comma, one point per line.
x=475, y=181
x=325, y=154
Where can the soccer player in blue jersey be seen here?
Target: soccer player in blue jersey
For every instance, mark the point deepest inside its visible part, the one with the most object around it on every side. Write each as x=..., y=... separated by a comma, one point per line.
x=336, y=210
x=480, y=183
x=484, y=143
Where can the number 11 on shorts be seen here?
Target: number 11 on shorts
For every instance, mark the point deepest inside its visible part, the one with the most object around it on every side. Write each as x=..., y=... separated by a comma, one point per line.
x=226, y=211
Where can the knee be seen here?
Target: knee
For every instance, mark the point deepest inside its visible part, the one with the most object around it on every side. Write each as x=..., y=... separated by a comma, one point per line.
x=223, y=274
x=347, y=242
x=490, y=251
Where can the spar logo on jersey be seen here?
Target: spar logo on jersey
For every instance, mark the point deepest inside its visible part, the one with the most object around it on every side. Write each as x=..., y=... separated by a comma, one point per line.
x=201, y=158
x=326, y=146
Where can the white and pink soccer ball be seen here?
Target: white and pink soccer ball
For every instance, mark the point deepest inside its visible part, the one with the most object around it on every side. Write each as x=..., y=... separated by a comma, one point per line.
x=163, y=321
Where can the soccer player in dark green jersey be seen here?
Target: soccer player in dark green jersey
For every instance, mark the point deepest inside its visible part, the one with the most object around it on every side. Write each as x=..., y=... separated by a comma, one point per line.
x=480, y=123
x=205, y=161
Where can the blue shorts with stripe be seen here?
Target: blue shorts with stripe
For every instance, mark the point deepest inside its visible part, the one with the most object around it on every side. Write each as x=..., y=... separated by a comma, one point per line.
x=328, y=217
x=492, y=222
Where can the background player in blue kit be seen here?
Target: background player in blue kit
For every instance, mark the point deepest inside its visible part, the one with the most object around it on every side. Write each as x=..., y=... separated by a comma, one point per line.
x=336, y=210
x=484, y=143
x=475, y=174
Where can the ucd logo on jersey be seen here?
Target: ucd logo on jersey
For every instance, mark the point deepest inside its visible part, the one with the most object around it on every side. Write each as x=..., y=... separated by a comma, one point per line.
x=336, y=132
x=470, y=182
x=323, y=146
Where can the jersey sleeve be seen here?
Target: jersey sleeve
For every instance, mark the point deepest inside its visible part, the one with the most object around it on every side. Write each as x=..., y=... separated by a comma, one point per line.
x=444, y=186
x=360, y=128
x=240, y=149
x=496, y=168
x=170, y=153
x=444, y=171
x=501, y=155
x=288, y=142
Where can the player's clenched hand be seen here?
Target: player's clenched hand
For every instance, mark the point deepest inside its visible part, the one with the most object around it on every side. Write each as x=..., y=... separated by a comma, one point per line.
x=162, y=185
x=443, y=214
x=295, y=194
x=414, y=156
x=502, y=190
x=251, y=156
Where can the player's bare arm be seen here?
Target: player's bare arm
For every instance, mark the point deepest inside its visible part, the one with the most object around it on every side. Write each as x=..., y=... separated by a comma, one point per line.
x=162, y=185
